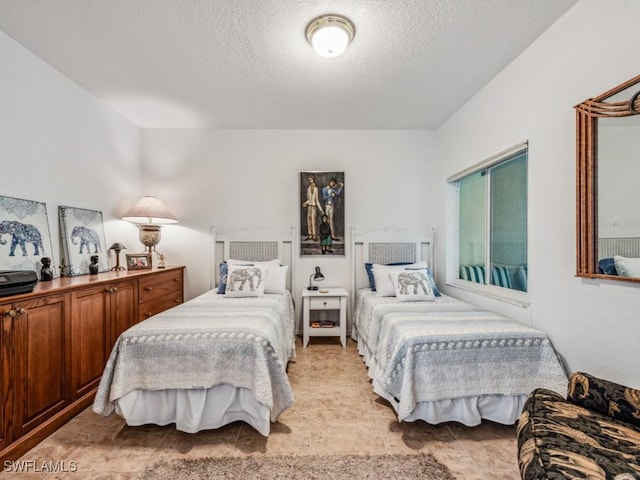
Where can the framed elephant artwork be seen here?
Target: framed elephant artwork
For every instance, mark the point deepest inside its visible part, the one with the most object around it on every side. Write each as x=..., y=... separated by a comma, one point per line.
x=82, y=235
x=24, y=236
x=322, y=227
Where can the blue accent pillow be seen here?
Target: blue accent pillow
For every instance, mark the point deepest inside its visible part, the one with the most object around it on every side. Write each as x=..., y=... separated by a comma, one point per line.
x=222, y=283
x=607, y=266
x=432, y=281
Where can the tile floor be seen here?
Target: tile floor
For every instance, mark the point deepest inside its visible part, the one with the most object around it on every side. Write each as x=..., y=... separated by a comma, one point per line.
x=335, y=412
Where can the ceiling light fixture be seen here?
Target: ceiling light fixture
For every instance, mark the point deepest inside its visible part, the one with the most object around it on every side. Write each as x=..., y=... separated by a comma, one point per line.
x=329, y=35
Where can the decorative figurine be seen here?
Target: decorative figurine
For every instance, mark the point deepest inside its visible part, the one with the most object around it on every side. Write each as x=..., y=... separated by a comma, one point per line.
x=93, y=266
x=46, y=273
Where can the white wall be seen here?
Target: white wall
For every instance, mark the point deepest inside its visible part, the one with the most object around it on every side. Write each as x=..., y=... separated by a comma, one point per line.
x=593, y=324
x=60, y=146
x=233, y=178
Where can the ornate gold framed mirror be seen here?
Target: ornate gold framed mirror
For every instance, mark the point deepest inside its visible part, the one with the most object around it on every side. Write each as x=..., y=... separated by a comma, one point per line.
x=608, y=184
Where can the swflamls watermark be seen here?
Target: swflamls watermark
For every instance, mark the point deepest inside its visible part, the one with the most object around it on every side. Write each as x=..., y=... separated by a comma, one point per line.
x=44, y=466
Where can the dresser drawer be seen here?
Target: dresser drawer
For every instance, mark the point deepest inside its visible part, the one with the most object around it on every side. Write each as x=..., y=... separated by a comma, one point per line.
x=149, y=309
x=328, y=303
x=159, y=285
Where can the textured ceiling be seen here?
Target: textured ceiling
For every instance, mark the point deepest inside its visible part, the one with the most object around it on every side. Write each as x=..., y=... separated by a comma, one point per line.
x=247, y=64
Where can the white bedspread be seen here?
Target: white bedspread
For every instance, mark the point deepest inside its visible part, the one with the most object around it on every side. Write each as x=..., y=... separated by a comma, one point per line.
x=446, y=349
x=210, y=340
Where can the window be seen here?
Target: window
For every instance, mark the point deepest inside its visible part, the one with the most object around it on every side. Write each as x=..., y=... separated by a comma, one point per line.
x=492, y=220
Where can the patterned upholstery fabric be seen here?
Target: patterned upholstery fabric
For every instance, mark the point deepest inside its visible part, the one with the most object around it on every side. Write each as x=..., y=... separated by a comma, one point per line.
x=472, y=273
x=476, y=273
x=500, y=276
x=607, y=398
x=558, y=439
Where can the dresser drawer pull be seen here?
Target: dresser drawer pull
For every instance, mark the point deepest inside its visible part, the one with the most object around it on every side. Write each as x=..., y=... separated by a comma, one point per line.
x=176, y=280
x=148, y=314
x=148, y=289
x=177, y=301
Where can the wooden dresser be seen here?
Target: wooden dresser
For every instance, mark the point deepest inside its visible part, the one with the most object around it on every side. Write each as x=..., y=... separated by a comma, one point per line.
x=55, y=342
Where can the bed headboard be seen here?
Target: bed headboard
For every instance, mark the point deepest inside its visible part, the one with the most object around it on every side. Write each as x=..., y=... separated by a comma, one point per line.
x=252, y=243
x=626, y=247
x=388, y=245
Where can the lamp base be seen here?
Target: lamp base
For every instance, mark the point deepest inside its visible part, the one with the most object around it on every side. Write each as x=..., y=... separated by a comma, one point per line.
x=149, y=235
x=117, y=266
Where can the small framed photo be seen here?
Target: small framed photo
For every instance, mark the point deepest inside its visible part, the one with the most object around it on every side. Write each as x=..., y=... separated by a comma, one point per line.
x=138, y=261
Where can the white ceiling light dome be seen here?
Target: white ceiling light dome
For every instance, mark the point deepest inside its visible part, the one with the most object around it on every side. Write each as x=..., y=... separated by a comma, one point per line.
x=330, y=35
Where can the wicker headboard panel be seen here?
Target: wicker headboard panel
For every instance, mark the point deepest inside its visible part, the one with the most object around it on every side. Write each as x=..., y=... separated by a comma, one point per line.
x=252, y=243
x=384, y=252
x=259, y=251
x=626, y=247
x=388, y=245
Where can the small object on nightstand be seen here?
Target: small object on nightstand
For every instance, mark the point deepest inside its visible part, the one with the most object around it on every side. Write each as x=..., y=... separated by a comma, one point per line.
x=324, y=290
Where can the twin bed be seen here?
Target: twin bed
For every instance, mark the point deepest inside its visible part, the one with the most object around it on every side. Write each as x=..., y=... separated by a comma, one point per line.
x=218, y=358
x=222, y=357
x=441, y=359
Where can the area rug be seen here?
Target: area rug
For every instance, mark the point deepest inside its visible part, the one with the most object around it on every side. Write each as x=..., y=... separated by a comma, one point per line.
x=371, y=467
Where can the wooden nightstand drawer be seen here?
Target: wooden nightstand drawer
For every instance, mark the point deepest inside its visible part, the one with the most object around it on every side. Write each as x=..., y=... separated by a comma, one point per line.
x=160, y=285
x=329, y=303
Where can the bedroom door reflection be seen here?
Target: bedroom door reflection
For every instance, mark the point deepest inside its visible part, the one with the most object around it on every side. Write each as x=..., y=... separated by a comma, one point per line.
x=322, y=213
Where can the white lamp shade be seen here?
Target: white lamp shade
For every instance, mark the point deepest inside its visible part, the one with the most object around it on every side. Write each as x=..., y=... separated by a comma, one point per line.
x=330, y=35
x=150, y=210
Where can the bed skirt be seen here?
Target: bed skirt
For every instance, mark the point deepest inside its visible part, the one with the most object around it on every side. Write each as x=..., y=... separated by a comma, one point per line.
x=469, y=411
x=194, y=410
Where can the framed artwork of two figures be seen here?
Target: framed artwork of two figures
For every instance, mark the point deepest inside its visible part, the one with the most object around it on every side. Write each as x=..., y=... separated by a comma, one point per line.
x=322, y=227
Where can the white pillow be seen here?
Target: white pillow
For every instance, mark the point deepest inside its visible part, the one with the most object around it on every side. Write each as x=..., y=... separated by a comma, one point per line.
x=384, y=285
x=412, y=285
x=276, y=279
x=245, y=281
x=627, y=267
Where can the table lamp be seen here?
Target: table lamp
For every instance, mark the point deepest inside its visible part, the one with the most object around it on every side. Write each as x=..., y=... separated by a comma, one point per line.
x=317, y=276
x=149, y=214
x=117, y=247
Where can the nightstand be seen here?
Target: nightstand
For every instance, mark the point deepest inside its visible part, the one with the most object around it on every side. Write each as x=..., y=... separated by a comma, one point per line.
x=324, y=314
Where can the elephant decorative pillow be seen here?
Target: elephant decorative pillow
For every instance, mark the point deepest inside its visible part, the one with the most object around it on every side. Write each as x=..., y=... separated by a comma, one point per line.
x=412, y=285
x=245, y=281
x=384, y=273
